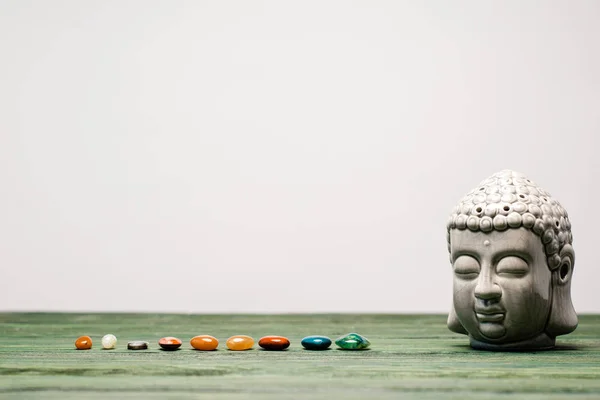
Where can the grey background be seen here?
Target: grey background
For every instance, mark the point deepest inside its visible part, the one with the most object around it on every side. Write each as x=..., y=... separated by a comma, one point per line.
x=280, y=156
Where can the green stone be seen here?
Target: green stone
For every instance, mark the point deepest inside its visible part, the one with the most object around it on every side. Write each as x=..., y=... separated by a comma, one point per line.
x=352, y=341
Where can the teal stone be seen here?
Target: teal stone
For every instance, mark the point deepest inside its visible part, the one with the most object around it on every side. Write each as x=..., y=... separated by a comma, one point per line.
x=352, y=341
x=316, y=342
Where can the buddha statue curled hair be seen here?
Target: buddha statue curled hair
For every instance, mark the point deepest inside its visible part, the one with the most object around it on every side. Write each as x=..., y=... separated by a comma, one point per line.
x=508, y=199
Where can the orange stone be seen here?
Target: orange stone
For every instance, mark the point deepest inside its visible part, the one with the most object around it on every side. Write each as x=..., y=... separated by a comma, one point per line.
x=169, y=343
x=204, y=342
x=274, y=343
x=240, y=342
x=83, y=343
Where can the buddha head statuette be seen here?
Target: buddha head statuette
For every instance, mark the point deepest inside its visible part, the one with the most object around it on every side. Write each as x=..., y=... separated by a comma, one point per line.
x=512, y=257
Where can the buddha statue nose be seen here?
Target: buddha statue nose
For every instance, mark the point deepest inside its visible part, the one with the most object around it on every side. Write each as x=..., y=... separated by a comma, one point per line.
x=486, y=289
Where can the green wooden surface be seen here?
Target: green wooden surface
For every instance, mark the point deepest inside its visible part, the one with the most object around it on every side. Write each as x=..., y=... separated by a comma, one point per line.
x=412, y=356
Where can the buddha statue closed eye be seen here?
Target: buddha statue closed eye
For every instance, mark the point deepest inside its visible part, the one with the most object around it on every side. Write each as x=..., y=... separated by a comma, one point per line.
x=511, y=251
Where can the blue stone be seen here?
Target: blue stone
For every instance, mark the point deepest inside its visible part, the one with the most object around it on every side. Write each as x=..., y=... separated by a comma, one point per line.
x=316, y=342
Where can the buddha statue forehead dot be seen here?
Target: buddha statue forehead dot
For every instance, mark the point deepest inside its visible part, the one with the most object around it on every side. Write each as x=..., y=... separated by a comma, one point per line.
x=512, y=259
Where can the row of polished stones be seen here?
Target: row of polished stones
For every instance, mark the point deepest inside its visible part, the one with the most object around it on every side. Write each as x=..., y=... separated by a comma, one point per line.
x=351, y=341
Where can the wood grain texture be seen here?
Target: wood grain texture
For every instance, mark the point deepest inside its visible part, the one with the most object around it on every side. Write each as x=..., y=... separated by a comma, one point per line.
x=411, y=356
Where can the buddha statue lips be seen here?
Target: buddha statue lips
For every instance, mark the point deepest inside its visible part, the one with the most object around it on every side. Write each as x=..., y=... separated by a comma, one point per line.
x=489, y=315
x=511, y=252
x=490, y=320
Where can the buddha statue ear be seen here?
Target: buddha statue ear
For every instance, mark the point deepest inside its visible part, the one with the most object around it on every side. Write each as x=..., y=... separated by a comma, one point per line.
x=563, y=318
x=454, y=324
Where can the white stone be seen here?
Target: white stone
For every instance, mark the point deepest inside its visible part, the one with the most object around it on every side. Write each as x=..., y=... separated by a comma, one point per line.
x=109, y=341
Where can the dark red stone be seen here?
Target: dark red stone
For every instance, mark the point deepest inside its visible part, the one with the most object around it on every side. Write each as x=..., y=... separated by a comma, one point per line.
x=169, y=343
x=274, y=343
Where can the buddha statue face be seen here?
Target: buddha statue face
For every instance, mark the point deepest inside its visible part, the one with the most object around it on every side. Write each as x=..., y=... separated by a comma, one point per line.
x=502, y=286
x=512, y=260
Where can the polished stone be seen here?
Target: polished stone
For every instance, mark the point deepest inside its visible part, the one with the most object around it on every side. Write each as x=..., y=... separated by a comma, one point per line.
x=274, y=343
x=316, y=342
x=240, y=342
x=109, y=341
x=137, y=345
x=204, y=342
x=352, y=341
x=169, y=343
x=83, y=343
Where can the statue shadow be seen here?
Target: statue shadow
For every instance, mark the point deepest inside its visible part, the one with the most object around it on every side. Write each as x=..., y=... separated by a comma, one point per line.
x=558, y=347
x=572, y=347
